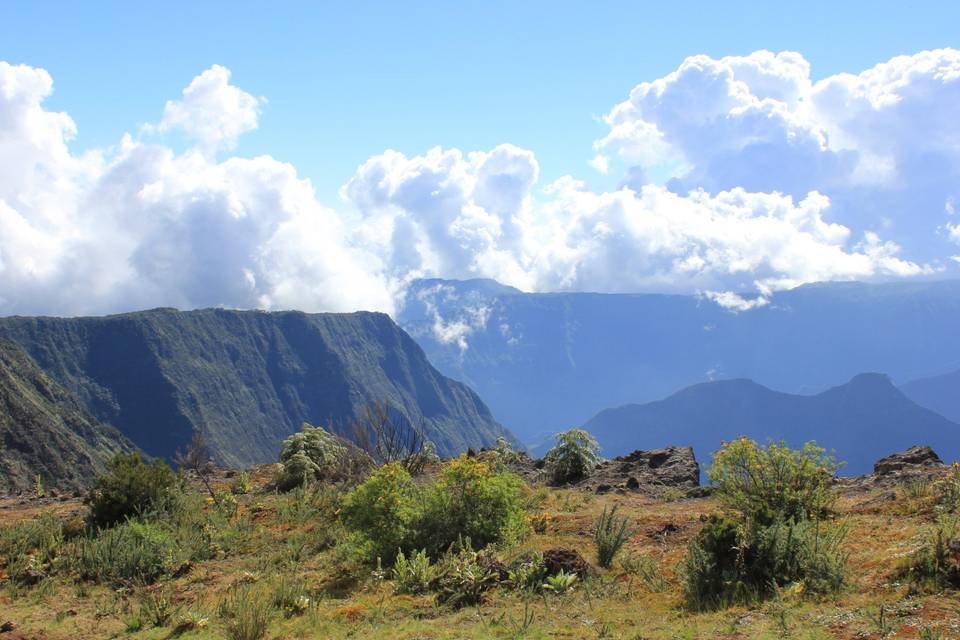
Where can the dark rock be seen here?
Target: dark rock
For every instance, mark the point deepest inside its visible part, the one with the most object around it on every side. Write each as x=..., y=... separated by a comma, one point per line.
x=633, y=483
x=603, y=488
x=918, y=458
x=566, y=560
x=8, y=626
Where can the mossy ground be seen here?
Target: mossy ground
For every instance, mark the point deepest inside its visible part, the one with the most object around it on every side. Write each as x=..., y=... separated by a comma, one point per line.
x=268, y=546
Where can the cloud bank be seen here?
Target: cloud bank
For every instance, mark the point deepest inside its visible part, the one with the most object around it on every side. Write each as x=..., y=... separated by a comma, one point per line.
x=774, y=180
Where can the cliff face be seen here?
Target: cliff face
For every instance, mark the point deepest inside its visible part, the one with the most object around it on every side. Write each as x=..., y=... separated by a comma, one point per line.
x=44, y=430
x=247, y=379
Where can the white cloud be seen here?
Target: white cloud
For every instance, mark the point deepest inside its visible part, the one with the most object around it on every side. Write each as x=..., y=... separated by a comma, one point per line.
x=140, y=225
x=213, y=112
x=883, y=144
x=143, y=226
x=734, y=301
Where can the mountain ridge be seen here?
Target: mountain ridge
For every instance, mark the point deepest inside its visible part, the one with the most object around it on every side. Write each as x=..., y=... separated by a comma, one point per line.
x=247, y=379
x=545, y=361
x=861, y=420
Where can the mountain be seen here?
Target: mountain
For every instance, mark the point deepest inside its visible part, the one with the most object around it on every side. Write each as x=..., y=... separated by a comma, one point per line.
x=546, y=361
x=862, y=421
x=44, y=431
x=937, y=393
x=247, y=379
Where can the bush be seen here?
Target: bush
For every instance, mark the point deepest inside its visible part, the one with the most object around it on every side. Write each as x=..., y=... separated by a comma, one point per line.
x=311, y=455
x=28, y=549
x=130, y=552
x=464, y=579
x=470, y=500
x=771, y=483
x=382, y=510
x=610, y=534
x=130, y=488
x=575, y=455
x=725, y=565
x=412, y=575
x=772, y=534
x=935, y=565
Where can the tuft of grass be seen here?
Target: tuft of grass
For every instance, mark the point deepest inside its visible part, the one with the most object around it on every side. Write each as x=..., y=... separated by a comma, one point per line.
x=246, y=613
x=610, y=534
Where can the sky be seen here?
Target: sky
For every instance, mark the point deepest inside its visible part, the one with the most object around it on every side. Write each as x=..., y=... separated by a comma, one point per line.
x=322, y=155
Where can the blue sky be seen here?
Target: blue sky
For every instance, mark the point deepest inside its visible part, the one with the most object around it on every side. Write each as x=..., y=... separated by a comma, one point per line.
x=322, y=156
x=347, y=80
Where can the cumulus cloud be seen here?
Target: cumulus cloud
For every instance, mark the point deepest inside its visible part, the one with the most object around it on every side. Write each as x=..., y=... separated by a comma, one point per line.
x=883, y=144
x=434, y=217
x=767, y=165
x=144, y=226
x=213, y=112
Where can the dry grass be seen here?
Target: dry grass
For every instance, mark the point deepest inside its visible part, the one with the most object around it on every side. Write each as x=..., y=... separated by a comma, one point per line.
x=882, y=532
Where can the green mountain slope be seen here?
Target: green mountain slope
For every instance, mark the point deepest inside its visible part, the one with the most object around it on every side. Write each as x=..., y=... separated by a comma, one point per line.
x=247, y=379
x=44, y=430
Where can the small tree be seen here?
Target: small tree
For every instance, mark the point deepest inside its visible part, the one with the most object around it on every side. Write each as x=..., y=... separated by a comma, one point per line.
x=389, y=436
x=575, y=455
x=196, y=458
x=129, y=488
x=310, y=455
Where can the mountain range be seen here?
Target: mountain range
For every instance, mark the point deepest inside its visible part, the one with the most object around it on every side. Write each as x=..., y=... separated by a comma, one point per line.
x=548, y=361
x=44, y=431
x=861, y=421
x=247, y=379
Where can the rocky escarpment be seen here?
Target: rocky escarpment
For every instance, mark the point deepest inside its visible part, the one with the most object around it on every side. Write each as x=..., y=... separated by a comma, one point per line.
x=248, y=379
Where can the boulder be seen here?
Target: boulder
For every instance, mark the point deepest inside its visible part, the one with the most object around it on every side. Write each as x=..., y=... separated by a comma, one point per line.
x=566, y=560
x=914, y=459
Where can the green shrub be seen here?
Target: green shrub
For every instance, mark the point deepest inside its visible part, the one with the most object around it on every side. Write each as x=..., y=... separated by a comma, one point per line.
x=610, y=534
x=470, y=500
x=131, y=552
x=527, y=573
x=241, y=484
x=774, y=482
x=412, y=575
x=575, y=455
x=727, y=564
x=463, y=579
x=382, y=510
x=773, y=534
x=130, y=488
x=28, y=549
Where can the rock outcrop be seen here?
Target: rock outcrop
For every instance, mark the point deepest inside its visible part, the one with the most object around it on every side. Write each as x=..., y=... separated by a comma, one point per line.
x=650, y=471
x=915, y=459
